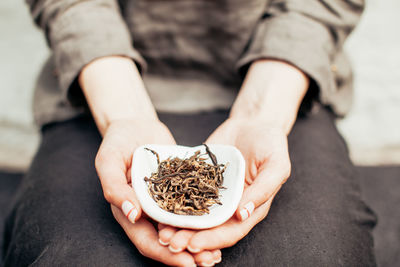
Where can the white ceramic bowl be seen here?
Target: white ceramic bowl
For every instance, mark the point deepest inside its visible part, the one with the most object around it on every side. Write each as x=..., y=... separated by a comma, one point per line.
x=144, y=163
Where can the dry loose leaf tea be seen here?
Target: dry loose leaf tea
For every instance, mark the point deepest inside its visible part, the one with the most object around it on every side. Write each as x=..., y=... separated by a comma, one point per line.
x=187, y=186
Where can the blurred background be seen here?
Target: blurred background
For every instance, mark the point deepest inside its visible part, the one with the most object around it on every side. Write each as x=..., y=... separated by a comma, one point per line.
x=372, y=129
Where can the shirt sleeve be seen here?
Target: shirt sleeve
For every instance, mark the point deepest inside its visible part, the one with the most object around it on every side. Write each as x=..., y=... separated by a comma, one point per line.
x=305, y=33
x=79, y=32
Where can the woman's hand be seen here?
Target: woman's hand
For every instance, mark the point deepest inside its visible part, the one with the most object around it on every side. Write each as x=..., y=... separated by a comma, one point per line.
x=126, y=118
x=114, y=158
x=267, y=168
x=260, y=120
x=113, y=165
x=145, y=237
x=265, y=151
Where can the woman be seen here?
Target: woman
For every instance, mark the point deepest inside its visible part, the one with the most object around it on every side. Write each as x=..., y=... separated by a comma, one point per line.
x=282, y=55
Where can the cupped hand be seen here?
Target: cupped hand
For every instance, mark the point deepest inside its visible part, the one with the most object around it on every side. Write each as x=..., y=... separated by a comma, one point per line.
x=113, y=165
x=114, y=158
x=176, y=242
x=265, y=150
x=145, y=237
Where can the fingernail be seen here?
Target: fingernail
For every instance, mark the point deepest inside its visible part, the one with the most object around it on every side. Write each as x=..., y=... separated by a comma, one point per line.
x=247, y=211
x=129, y=210
x=163, y=243
x=174, y=250
x=193, y=250
x=207, y=264
x=218, y=261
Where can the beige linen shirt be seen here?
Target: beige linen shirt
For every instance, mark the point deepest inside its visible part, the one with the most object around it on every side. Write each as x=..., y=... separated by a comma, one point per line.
x=193, y=54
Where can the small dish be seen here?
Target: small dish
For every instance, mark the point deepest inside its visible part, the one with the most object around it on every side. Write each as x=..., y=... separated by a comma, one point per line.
x=144, y=163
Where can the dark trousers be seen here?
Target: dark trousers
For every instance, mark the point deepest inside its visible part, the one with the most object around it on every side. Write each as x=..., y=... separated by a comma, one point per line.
x=60, y=218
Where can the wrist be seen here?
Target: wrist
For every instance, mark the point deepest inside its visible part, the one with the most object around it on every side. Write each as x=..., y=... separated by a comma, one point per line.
x=135, y=121
x=272, y=93
x=264, y=122
x=115, y=91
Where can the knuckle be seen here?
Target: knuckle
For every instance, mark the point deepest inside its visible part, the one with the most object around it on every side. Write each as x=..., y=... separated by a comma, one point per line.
x=264, y=215
x=99, y=160
x=287, y=170
x=264, y=196
x=108, y=194
x=287, y=174
x=142, y=247
x=285, y=179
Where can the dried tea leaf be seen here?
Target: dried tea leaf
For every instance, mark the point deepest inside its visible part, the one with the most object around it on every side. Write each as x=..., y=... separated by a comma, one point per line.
x=187, y=186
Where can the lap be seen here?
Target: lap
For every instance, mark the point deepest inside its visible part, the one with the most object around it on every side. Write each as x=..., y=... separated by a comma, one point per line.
x=318, y=217
x=60, y=215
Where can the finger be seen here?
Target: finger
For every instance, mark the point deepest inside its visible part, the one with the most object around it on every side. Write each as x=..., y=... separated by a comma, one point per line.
x=229, y=233
x=144, y=237
x=217, y=255
x=180, y=240
x=111, y=169
x=268, y=181
x=165, y=235
x=208, y=258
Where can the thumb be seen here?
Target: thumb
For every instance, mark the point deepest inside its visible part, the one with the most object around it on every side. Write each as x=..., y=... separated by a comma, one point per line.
x=267, y=183
x=112, y=173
